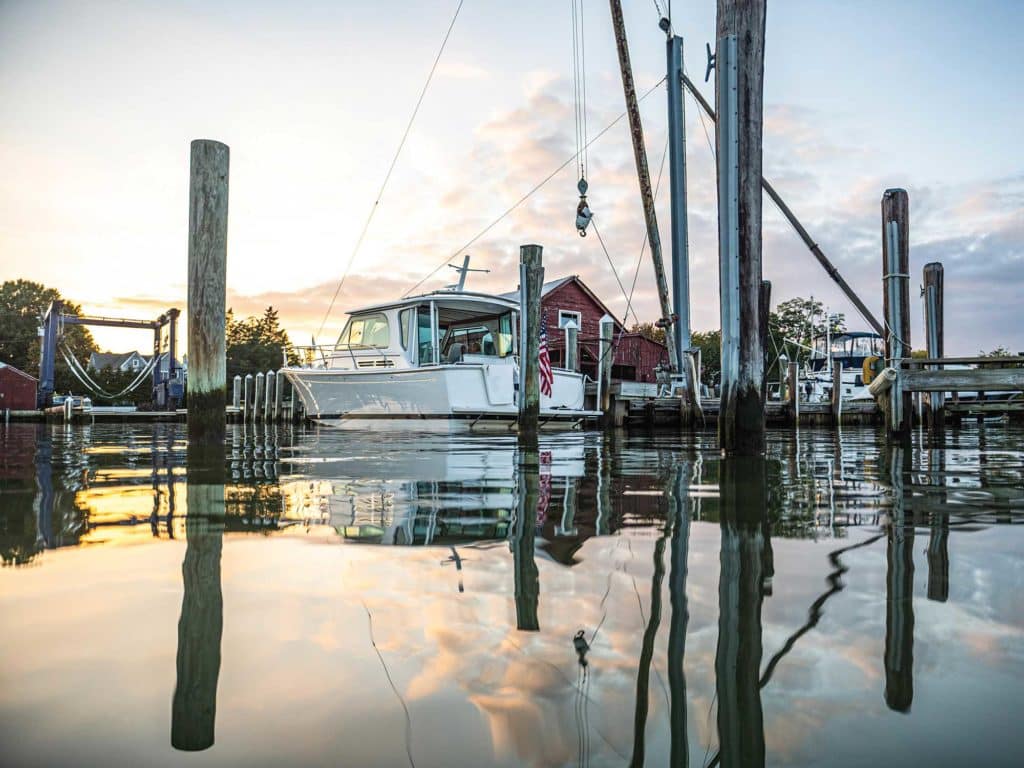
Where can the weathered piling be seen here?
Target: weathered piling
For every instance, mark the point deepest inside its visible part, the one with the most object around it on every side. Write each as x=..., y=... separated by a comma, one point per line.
x=837, y=393
x=896, y=301
x=271, y=390
x=531, y=283
x=739, y=76
x=934, y=337
x=258, y=398
x=207, y=262
x=278, y=394
x=793, y=391
x=607, y=353
x=247, y=402
x=236, y=392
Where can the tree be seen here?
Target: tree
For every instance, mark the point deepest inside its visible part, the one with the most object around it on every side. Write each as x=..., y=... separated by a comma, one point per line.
x=795, y=323
x=710, y=345
x=22, y=305
x=257, y=344
x=649, y=331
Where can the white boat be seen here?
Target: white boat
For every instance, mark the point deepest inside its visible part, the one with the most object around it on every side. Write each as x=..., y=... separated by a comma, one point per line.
x=448, y=355
x=849, y=350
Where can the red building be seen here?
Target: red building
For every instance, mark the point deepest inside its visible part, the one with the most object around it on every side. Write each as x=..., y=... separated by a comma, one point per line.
x=569, y=298
x=17, y=389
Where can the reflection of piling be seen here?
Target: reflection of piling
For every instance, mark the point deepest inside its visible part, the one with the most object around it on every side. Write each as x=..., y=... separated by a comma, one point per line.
x=680, y=749
x=207, y=259
x=743, y=570
x=899, y=614
x=525, y=573
x=194, y=708
x=938, y=560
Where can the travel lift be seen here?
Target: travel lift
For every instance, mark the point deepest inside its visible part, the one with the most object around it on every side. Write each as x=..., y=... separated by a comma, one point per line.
x=167, y=393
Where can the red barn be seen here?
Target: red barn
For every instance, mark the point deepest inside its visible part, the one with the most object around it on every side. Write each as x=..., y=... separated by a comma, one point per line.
x=17, y=389
x=569, y=298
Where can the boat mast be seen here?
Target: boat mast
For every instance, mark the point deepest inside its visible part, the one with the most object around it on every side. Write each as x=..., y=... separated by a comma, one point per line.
x=643, y=173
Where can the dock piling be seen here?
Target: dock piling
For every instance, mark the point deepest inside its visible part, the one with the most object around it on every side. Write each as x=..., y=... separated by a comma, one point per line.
x=607, y=353
x=531, y=283
x=247, y=402
x=896, y=301
x=236, y=392
x=793, y=391
x=258, y=399
x=268, y=398
x=934, y=331
x=739, y=81
x=278, y=392
x=837, y=393
x=572, y=346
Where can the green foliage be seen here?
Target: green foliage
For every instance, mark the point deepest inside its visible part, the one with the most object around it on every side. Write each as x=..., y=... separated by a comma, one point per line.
x=113, y=380
x=256, y=344
x=800, y=320
x=649, y=331
x=22, y=304
x=997, y=352
x=710, y=345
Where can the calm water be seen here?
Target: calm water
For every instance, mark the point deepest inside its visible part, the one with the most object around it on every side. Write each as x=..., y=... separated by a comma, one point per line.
x=387, y=599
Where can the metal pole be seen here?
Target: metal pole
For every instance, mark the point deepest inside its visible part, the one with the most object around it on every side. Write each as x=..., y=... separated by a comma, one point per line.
x=643, y=173
x=463, y=271
x=48, y=353
x=677, y=185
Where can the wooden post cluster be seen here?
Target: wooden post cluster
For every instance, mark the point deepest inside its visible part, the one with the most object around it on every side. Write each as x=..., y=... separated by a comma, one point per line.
x=934, y=336
x=739, y=79
x=896, y=301
x=531, y=284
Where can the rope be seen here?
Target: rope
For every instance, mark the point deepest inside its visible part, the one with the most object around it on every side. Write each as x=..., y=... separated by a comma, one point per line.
x=391, y=167
x=88, y=382
x=525, y=197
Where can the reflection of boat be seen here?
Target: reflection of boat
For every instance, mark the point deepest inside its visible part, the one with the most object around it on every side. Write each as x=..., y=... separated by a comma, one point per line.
x=444, y=355
x=849, y=350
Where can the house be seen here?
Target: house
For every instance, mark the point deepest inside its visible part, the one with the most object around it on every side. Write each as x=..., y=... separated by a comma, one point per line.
x=569, y=299
x=17, y=389
x=134, y=362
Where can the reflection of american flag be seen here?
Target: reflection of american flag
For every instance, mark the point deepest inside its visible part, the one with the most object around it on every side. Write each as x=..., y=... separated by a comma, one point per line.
x=547, y=378
x=544, y=498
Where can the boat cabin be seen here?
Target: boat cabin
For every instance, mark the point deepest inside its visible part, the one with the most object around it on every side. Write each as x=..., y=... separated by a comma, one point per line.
x=850, y=349
x=441, y=328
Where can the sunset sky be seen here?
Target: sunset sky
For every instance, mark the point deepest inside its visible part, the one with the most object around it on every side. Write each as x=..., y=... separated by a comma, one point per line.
x=100, y=101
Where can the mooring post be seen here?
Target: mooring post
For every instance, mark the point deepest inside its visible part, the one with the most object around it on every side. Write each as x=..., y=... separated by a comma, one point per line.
x=236, y=392
x=247, y=402
x=896, y=301
x=572, y=346
x=269, y=396
x=257, y=406
x=837, y=393
x=531, y=284
x=278, y=392
x=607, y=354
x=158, y=396
x=739, y=80
x=207, y=261
x=172, y=355
x=793, y=391
x=934, y=336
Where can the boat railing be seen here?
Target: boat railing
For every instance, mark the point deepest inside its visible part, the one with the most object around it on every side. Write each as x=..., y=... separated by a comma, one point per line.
x=329, y=352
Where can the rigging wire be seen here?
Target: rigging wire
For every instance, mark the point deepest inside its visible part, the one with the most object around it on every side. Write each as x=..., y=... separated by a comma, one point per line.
x=526, y=196
x=391, y=168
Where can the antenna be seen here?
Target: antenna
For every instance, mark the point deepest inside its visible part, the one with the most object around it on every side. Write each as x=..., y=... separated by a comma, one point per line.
x=462, y=273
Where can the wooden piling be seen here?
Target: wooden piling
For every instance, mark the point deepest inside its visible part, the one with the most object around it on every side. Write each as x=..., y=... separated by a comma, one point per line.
x=837, y=393
x=268, y=399
x=934, y=338
x=236, y=392
x=207, y=263
x=278, y=395
x=896, y=300
x=739, y=79
x=258, y=400
x=572, y=346
x=531, y=283
x=793, y=391
x=247, y=402
x=607, y=352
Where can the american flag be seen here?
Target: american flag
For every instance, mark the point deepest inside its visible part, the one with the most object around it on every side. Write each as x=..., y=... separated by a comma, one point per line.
x=547, y=378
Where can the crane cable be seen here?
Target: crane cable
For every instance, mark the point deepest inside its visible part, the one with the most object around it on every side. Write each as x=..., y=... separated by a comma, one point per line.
x=87, y=381
x=391, y=167
x=579, y=83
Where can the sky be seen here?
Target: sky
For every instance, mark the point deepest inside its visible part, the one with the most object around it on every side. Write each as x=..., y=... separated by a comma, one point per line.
x=100, y=101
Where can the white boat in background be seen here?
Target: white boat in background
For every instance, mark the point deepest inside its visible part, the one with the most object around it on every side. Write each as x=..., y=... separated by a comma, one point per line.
x=853, y=351
x=448, y=355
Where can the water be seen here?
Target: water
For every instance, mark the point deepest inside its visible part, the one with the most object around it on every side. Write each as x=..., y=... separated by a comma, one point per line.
x=388, y=598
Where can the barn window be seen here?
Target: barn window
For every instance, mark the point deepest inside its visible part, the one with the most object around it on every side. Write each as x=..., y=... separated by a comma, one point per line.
x=565, y=315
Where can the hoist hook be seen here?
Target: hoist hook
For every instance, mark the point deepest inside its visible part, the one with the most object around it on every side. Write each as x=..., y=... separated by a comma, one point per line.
x=583, y=213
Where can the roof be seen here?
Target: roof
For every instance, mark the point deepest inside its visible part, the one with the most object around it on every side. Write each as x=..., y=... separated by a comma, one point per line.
x=446, y=298
x=18, y=371
x=101, y=360
x=554, y=285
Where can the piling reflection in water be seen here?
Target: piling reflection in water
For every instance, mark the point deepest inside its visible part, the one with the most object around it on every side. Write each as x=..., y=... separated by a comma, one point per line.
x=899, y=598
x=526, y=588
x=745, y=572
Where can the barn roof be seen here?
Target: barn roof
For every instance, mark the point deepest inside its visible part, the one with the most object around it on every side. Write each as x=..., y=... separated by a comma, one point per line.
x=17, y=371
x=554, y=285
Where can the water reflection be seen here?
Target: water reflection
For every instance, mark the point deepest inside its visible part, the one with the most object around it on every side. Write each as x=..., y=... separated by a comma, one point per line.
x=543, y=606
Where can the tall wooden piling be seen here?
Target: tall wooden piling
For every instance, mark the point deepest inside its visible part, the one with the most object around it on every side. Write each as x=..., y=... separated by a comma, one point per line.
x=260, y=398
x=896, y=300
x=837, y=393
x=572, y=346
x=606, y=329
x=739, y=79
x=934, y=337
x=207, y=263
x=531, y=284
x=793, y=391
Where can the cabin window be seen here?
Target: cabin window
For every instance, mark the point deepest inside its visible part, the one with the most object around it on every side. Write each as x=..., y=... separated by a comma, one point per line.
x=366, y=331
x=404, y=326
x=424, y=337
x=565, y=315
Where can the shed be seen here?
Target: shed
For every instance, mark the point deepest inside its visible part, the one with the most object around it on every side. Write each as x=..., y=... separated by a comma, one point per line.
x=569, y=298
x=17, y=389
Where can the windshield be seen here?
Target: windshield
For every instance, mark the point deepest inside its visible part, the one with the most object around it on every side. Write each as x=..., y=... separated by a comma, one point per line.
x=366, y=331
